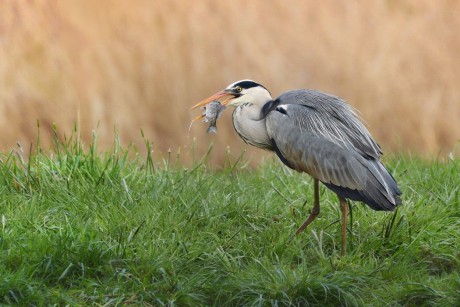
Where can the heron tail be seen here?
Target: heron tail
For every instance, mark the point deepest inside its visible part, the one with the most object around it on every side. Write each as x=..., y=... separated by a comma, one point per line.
x=381, y=192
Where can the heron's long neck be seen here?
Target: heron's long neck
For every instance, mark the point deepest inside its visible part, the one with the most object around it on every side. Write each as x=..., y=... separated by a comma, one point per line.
x=249, y=123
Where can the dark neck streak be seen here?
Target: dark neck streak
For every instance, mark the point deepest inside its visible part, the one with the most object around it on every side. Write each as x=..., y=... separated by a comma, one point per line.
x=268, y=107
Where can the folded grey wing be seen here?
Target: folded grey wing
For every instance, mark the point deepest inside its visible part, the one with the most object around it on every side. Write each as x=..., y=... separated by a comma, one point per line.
x=304, y=149
x=332, y=118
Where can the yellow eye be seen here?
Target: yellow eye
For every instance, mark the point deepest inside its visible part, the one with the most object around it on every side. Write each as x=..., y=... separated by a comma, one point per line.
x=239, y=89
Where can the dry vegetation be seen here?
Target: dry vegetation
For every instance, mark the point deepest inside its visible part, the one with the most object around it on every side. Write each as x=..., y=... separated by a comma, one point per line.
x=106, y=64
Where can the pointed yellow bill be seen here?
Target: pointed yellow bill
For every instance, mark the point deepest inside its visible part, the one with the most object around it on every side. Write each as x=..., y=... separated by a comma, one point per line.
x=224, y=98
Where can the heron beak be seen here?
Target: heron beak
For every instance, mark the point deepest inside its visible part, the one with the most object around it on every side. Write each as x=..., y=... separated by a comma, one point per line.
x=224, y=97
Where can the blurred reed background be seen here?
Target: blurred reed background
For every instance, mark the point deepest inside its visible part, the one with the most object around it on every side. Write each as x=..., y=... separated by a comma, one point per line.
x=132, y=65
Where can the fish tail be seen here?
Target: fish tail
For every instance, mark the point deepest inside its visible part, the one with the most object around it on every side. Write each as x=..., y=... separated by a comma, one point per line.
x=212, y=129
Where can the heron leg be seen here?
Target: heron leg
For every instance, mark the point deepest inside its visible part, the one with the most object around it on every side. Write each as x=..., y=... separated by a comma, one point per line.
x=344, y=209
x=314, y=212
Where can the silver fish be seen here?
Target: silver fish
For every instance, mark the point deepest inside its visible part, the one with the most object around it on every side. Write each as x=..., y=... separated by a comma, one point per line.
x=211, y=113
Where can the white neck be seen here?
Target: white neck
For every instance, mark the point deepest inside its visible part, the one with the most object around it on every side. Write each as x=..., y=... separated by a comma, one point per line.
x=248, y=120
x=250, y=125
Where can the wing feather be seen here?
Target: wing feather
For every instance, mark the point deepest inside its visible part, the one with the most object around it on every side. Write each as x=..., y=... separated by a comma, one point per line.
x=332, y=119
x=308, y=152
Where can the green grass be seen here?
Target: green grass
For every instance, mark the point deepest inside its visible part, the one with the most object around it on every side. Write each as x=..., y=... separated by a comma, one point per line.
x=82, y=227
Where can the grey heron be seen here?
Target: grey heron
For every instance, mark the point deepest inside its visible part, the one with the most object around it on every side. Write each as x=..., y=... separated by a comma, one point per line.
x=316, y=133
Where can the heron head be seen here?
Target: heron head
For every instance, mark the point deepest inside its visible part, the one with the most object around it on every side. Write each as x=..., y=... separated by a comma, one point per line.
x=238, y=93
